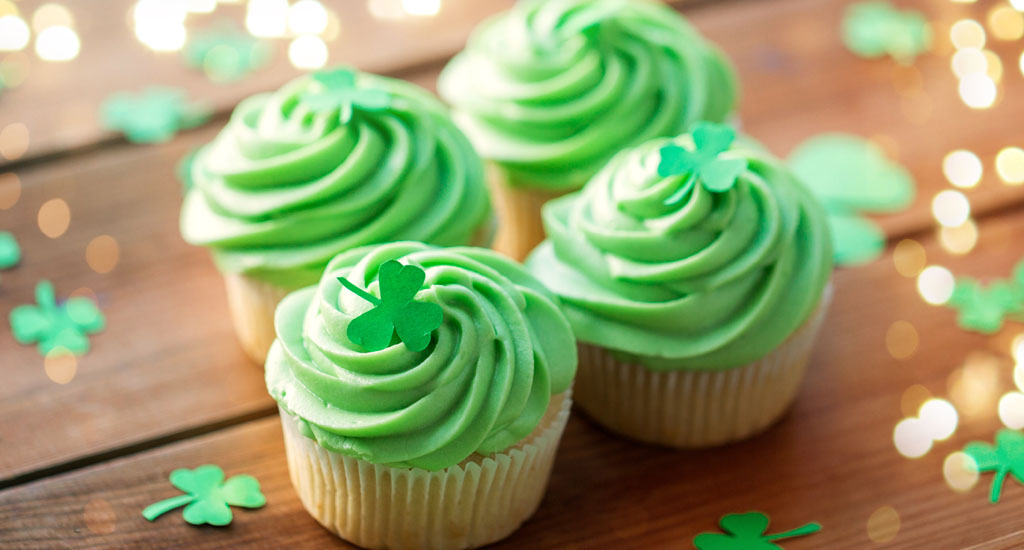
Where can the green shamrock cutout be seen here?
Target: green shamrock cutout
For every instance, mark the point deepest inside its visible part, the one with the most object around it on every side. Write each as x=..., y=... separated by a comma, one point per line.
x=875, y=29
x=208, y=497
x=153, y=116
x=983, y=308
x=851, y=175
x=55, y=326
x=10, y=253
x=703, y=164
x=747, y=532
x=336, y=90
x=395, y=311
x=225, y=54
x=1006, y=457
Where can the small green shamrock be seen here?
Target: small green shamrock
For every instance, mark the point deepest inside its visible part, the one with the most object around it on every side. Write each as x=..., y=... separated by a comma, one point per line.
x=395, y=311
x=56, y=326
x=983, y=308
x=874, y=29
x=10, y=253
x=1006, y=457
x=337, y=89
x=704, y=164
x=225, y=54
x=209, y=497
x=152, y=116
x=747, y=532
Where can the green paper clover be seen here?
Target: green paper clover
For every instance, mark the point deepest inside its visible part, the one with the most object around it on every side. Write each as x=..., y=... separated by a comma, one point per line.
x=855, y=240
x=225, y=54
x=153, y=116
x=208, y=497
x=747, y=532
x=395, y=311
x=61, y=327
x=337, y=90
x=1006, y=457
x=875, y=29
x=10, y=253
x=983, y=308
x=703, y=164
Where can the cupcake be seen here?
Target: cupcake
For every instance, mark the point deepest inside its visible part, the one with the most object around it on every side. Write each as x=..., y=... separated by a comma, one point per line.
x=423, y=392
x=695, y=273
x=330, y=162
x=549, y=91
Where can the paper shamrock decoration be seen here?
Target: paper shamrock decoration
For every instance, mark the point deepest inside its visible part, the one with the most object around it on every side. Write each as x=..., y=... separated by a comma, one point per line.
x=56, y=327
x=225, y=54
x=1006, y=457
x=153, y=116
x=208, y=497
x=983, y=308
x=704, y=163
x=875, y=29
x=747, y=532
x=337, y=89
x=10, y=253
x=850, y=175
x=395, y=311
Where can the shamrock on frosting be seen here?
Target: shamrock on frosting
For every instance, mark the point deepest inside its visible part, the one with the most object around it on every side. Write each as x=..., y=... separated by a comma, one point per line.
x=10, y=253
x=984, y=308
x=704, y=163
x=395, y=311
x=337, y=89
x=153, y=116
x=1006, y=457
x=747, y=532
x=874, y=29
x=208, y=497
x=61, y=327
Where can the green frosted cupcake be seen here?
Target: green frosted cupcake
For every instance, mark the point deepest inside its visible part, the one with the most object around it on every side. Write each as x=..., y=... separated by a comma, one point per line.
x=329, y=162
x=694, y=271
x=423, y=392
x=552, y=89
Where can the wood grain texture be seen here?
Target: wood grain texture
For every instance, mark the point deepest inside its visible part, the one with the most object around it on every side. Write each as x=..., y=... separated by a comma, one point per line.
x=831, y=460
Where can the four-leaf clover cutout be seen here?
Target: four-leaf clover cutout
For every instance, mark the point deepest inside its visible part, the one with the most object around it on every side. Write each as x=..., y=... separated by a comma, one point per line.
x=704, y=163
x=208, y=497
x=337, y=90
x=747, y=532
x=1006, y=457
x=60, y=327
x=152, y=116
x=10, y=252
x=395, y=311
x=983, y=308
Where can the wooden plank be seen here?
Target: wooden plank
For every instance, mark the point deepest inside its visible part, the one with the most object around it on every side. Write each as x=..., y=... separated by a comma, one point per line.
x=831, y=460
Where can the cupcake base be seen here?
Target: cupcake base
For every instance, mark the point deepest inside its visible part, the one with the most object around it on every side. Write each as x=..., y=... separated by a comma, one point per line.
x=476, y=502
x=252, y=303
x=518, y=208
x=695, y=408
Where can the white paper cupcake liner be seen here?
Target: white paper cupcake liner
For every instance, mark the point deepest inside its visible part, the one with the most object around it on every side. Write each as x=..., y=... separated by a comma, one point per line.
x=252, y=303
x=695, y=408
x=477, y=502
x=520, y=227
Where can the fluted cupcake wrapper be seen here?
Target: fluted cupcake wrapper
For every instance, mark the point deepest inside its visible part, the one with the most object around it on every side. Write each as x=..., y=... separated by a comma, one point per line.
x=252, y=302
x=695, y=408
x=474, y=503
x=520, y=226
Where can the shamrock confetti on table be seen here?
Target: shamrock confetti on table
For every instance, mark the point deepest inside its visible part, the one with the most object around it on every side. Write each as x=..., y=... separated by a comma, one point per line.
x=874, y=29
x=1006, y=457
x=225, y=54
x=153, y=116
x=983, y=308
x=56, y=327
x=395, y=311
x=704, y=163
x=208, y=497
x=851, y=175
x=10, y=253
x=337, y=90
x=747, y=532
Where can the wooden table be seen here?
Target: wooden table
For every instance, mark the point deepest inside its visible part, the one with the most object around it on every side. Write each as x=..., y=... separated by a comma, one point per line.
x=165, y=385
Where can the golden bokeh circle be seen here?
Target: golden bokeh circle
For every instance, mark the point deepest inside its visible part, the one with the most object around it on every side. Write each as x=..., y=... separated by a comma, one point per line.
x=60, y=366
x=14, y=140
x=909, y=257
x=883, y=524
x=10, y=190
x=100, y=517
x=54, y=218
x=102, y=254
x=901, y=339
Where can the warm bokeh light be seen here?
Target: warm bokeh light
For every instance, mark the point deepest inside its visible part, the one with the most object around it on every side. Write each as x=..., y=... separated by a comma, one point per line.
x=1011, y=410
x=978, y=91
x=307, y=17
x=57, y=44
x=51, y=15
x=169, y=37
x=307, y=52
x=385, y=9
x=422, y=8
x=1010, y=165
x=967, y=33
x=993, y=65
x=100, y=517
x=1006, y=23
x=951, y=208
x=10, y=190
x=975, y=387
x=912, y=399
x=883, y=524
x=901, y=340
x=909, y=258
x=1018, y=375
x=201, y=6
x=14, y=33
x=935, y=284
x=102, y=254
x=968, y=61
x=960, y=239
x=960, y=471
x=1017, y=350
x=911, y=438
x=14, y=69
x=54, y=218
x=60, y=366
x=962, y=168
x=14, y=141
x=940, y=418
x=267, y=18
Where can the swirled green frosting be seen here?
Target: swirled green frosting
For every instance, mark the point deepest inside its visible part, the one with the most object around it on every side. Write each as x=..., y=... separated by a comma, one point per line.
x=552, y=89
x=482, y=385
x=285, y=187
x=669, y=274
